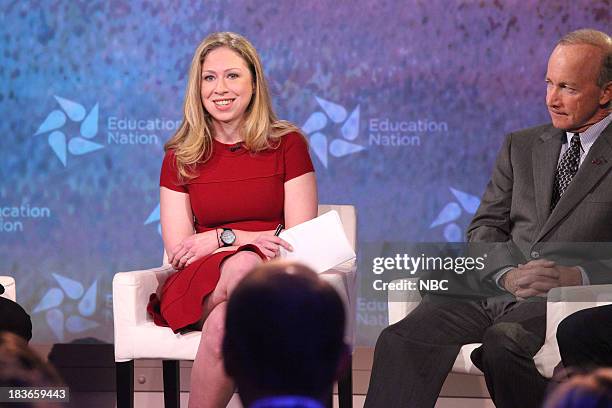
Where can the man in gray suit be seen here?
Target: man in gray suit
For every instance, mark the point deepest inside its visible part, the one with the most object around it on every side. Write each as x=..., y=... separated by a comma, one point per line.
x=550, y=191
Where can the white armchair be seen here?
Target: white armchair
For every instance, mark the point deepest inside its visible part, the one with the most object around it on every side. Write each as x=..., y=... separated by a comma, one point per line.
x=137, y=337
x=8, y=283
x=561, y=303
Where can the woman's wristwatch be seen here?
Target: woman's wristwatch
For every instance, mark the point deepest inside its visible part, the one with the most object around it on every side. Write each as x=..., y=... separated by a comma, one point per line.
x=227, y=237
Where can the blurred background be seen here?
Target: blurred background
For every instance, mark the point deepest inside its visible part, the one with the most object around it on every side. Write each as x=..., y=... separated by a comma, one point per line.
x=405, y=104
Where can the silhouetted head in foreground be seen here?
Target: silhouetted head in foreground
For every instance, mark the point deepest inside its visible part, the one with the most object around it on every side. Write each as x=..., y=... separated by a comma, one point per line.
x=22, y=367
x=284, y=334
x=593, y=390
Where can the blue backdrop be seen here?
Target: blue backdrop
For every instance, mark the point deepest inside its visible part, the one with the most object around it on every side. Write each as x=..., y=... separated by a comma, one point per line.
x=405, y=104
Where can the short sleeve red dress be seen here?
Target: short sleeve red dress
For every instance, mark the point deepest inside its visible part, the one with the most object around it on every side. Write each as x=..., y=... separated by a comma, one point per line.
x=234, y=189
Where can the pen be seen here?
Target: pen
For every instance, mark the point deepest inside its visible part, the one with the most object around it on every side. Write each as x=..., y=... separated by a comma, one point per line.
x=278, y=230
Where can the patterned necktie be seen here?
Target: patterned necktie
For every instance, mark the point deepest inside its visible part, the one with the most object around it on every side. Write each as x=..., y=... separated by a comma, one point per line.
x=566, y=170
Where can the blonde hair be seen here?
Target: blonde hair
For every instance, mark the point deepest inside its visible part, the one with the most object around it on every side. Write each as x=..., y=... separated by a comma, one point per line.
x=599, y=39
x=192, y=142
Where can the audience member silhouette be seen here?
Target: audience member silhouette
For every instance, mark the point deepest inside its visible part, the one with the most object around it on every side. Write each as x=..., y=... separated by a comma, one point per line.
x=21, y=367
x=592, y=390
x=284, y=334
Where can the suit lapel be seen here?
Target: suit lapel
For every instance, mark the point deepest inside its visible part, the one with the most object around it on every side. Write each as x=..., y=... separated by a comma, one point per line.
x=545, y=156
x=597, y=163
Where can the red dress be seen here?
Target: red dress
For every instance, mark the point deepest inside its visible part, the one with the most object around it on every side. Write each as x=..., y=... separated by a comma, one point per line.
x=234, y=189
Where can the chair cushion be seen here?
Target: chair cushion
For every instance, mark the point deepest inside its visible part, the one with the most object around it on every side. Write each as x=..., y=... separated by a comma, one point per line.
x=463, y=363
x=147, y=340
x=545, y=360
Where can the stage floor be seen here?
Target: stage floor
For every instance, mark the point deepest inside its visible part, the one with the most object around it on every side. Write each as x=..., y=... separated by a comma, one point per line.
x=89, y=371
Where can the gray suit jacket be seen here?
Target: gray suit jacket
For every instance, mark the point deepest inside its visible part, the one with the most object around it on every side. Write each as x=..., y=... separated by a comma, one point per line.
x=514, y=216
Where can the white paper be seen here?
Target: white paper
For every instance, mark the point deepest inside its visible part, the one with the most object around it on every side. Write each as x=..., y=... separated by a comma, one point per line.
x=319, y=243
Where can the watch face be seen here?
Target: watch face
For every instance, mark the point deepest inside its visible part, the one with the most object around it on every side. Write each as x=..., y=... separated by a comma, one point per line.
x=228, y=237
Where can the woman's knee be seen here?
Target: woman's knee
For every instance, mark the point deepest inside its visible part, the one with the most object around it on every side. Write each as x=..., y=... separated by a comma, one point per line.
x=239, y=265
x=245, y=260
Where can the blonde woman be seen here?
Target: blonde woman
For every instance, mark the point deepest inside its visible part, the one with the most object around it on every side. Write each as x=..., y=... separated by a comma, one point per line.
x=231, y=174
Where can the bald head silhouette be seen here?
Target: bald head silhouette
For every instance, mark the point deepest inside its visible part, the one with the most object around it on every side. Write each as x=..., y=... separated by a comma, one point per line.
x=284, y=333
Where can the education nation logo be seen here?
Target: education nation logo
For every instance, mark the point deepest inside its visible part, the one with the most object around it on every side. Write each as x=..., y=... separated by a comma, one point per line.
x=69, y=306
x=62, y=123
x=452, y=211
x=341, y=143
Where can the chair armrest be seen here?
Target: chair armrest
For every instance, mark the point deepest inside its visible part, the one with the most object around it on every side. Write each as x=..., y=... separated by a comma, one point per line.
x=131, y=291
x=590, y=293
x=9, y=287
x=563, y=302
x=401, y=303
x=343, y=279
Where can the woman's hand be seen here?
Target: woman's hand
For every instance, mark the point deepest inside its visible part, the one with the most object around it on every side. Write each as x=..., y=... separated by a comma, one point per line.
x=193, y=248
x=270, y=244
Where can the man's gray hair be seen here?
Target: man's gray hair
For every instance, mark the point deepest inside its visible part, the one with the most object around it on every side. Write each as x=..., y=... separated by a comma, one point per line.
x=598, y=39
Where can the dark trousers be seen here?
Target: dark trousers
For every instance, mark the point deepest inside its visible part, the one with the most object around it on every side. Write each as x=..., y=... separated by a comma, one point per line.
x=585, y=338
x=413, y=357
x=14, y=319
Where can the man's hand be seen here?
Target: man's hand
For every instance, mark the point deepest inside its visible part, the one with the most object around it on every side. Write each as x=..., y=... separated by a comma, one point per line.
x=537, y=277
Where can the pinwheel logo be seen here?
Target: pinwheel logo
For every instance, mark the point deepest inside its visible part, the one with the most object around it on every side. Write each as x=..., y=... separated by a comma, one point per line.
x=341, y=144
x=452, y=212
x=58, y=120
x=73, y=315
x=154, y=218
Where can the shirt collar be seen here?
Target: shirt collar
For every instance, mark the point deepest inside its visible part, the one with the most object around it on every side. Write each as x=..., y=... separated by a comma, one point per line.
x=589, y=136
